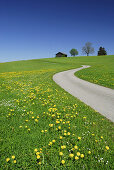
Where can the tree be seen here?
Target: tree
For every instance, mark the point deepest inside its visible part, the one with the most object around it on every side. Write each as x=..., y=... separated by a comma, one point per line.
x=73, y=52
x=88, y=49
x=102, y=51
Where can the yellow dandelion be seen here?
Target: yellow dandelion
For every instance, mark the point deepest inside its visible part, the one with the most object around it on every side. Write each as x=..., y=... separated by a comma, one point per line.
x=63, y=161
x=71, y=155
x=50, y=143
x=37, y=153
x=75, y=147
x=39, y=163
x=82, y=155
x=35, y=150
x=78, y=153
x=63, y=147
x=53, y=141
x=79, y=138
x=68, y=133
x=7, y=159
x=76, y=157
x=38, y=156
x=61, y=153
x=13, y=157
x=36, y=120
x=14, y=161
x=61, y=137
x=93, y=134
x=89, y=152
x=50, y=125
x=107, y=147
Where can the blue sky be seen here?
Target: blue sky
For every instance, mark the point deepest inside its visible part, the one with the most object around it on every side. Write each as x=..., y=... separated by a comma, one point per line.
x=41, y=28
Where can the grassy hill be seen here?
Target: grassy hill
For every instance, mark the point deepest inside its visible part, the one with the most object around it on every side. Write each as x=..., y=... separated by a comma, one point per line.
x=42, y=126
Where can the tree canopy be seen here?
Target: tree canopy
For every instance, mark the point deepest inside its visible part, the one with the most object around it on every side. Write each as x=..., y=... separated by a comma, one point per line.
x=73, y=52
x=102, y=51
x=88, y=49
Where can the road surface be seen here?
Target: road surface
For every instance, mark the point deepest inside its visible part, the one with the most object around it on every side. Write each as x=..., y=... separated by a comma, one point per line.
x=97, y=97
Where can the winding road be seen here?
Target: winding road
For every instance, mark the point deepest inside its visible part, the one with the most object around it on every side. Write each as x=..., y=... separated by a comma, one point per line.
x=97, y=97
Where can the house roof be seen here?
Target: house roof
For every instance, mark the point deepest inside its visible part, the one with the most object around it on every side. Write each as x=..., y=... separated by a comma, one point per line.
x=61, y=53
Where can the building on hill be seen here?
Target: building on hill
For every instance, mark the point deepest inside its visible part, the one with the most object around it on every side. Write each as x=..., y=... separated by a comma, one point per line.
x=60, y=54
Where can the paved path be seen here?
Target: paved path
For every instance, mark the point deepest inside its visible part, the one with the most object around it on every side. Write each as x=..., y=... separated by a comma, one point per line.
x=98, y=97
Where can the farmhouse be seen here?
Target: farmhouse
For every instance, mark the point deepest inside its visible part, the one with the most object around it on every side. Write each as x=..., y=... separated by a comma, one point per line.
x=59, y=54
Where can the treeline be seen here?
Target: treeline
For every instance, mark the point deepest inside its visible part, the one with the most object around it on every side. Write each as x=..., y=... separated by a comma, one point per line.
x=88, y=49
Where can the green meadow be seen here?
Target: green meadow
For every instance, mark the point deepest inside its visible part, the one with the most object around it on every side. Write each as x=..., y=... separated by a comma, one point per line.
x=44, y=127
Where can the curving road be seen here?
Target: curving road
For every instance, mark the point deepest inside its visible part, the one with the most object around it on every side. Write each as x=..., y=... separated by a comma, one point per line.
x=98, y=97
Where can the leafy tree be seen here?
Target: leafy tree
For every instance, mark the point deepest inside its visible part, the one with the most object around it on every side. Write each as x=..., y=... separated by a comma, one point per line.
x=102, y=51
x=88, y=49
x=73, y=52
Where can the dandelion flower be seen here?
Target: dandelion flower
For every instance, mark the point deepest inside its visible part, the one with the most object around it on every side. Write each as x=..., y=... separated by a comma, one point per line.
x=107, y=147
x=93, y=134
x=79, y=138
x=76, y=157
x=68, y=133
x=7, y=159
x=53, y=141
x=59, y=127
x=71, y=155
x=78, y=153
x=61, y=153
x=63, y=147
x=13, y=157
x=63, y=161
x=36, y=120
x=35, y=150
x=39, y=163
x=50, y=143
x=75, y=147
x=61, y=137
x=14, y=161
x=82, y=155
x=38, y=156
x=50, y=125
x=37, y=153
x=89, y=152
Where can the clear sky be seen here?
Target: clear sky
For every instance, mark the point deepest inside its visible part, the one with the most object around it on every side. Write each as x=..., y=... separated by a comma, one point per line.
x=41, y=28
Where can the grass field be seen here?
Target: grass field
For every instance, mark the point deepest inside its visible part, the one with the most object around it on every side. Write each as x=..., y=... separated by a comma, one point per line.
x=44, y=127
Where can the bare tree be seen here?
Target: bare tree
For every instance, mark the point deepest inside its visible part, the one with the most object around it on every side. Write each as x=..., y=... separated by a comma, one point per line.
x=88, y=49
